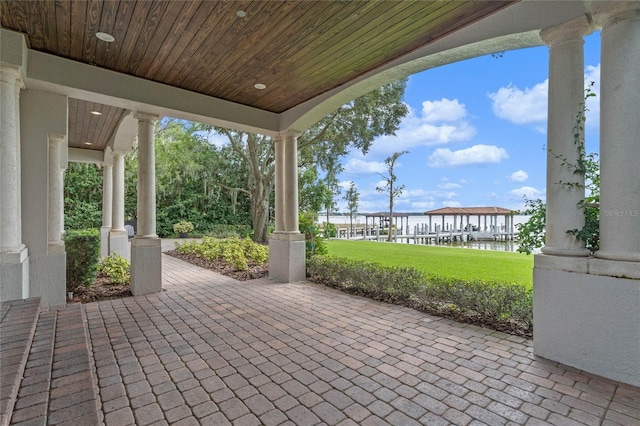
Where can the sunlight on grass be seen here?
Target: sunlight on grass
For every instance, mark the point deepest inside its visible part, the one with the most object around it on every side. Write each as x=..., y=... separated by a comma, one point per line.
x=453, y=262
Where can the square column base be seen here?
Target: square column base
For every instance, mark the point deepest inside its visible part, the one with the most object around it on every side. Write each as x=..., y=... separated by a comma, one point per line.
x=587, y=321
x=119, y=244
x=146, y=266
x=287, y=261
x=14, y=275
x=104, y=241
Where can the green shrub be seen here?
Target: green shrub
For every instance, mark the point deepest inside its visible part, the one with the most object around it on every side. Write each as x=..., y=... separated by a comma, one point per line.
x=330, y=230
x=183, y=227
x=83, y=254
x=234, y=251
x=509, y=305
x=314, y=244
x=116, y=268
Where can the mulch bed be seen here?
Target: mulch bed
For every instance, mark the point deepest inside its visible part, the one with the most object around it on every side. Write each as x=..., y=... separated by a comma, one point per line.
x=223, y=268
x=103, y=289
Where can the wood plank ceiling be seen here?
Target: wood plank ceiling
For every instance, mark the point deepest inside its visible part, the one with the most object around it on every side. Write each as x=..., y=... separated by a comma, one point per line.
x=298, y=49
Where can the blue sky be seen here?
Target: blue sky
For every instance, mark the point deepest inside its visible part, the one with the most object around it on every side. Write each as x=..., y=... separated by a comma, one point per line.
x=476, y=134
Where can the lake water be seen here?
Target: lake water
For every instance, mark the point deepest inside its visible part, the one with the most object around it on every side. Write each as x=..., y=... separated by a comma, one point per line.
x=419, y=220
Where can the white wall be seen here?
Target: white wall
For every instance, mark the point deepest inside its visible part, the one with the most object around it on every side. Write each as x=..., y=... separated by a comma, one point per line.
x=589, y=322
x=41, y=114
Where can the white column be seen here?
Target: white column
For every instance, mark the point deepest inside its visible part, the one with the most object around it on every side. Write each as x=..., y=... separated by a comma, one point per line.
x=279, y=183
x=565, y=104
x=286, y=245
x=107, y=208
x=117, y=216
x=620, y=133
x=118, y=239
x=291, y=184
x=14, y=256
x=146, y=176
x=146, y=253
x=10, y=84
x=107, y=194
x=56, y=196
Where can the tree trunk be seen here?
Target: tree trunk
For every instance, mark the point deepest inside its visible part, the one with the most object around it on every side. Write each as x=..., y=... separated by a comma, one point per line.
x=260, y=212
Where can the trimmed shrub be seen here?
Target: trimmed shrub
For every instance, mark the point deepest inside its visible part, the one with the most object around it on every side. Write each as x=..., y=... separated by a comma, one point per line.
x=116, y=268
x=226, y=231
x=234, y=251
x=83, y=254
x=507, y=306
x=314, y=244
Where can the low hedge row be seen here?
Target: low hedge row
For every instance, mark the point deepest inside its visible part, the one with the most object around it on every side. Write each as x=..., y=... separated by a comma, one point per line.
x=234, y=251
x=504, y=306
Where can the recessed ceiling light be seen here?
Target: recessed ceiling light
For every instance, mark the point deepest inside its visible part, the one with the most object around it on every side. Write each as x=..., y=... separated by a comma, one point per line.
x=105, y=37
x=260, y=86
x=241, y=13
x=88, y=143
x=96, y=113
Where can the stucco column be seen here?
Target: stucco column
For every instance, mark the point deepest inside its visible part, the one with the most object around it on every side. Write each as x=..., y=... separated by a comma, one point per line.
x=117, y=215
x=118, y=239
x=146, y=176
x=291, y=184
x=56, y=196
x=10, y=84
x=14, y=256
x=565, y=105
x=279, y=183
x=146, y=254
x=107, y=208
x=286, y=245
x=620, y=133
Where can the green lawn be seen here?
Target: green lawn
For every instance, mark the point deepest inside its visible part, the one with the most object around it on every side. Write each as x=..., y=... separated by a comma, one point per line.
x=445, y=261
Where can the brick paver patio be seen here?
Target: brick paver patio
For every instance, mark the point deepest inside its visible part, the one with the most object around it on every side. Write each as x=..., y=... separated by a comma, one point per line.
x=211, y=350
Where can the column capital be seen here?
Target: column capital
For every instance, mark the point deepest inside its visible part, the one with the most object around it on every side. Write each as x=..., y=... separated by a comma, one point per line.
x=289, y=134
x=613, y=12
x=12, y=75
x=569, y=31
x=146, y=117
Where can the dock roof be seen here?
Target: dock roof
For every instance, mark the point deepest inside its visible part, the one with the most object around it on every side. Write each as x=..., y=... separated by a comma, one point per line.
x=451, y=211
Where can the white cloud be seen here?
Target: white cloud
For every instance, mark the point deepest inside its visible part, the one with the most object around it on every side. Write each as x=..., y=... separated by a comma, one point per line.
x=443, y=110
x=357, y=166
x=519, y=176
x=345, y=184
x=449, y=185
x=477, y=154
x=521, y=106
x=451, y=204
x=439, y=122
x=526, y=191
x=529, y=105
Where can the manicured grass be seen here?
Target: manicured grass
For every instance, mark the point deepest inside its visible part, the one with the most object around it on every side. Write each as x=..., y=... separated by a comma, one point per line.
x=453, y=262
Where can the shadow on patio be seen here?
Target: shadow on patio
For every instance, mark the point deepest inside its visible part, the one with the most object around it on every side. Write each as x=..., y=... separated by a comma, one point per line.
x=212, y=350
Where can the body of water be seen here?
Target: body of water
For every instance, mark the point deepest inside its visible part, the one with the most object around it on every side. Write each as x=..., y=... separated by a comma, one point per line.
x=421, y=220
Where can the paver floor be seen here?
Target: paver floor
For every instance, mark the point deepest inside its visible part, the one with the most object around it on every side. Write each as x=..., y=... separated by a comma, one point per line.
x=211, y=350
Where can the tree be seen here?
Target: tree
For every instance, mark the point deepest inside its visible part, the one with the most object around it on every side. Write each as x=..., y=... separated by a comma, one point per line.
x=352, y=197
x=389, y=187
x=354, y=125
x=82, y=196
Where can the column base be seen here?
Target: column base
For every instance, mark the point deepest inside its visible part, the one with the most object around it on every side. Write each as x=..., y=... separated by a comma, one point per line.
x=621, y=256
x=556, y=251
x=587, y=321
x=49, y=278
x=287, y=261
x=119, y=243
x=14, y=275
x=104, y=241
x=146, y=266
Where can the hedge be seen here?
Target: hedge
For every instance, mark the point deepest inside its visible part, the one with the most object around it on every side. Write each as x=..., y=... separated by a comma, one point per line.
x=83, y=255
x=504, y=306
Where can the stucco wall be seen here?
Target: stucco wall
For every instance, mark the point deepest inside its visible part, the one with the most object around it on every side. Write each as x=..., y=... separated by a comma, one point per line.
x=589, y=322
x=41, y=114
